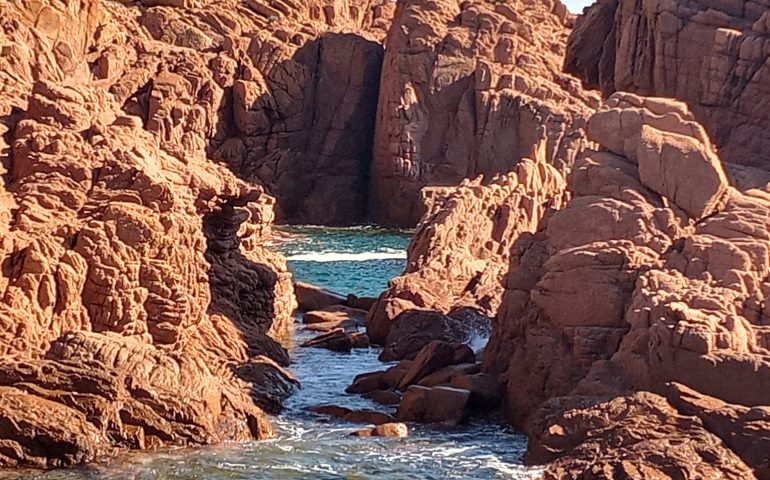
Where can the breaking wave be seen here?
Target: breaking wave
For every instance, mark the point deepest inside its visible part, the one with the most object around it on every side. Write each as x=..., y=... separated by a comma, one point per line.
x=346, y=256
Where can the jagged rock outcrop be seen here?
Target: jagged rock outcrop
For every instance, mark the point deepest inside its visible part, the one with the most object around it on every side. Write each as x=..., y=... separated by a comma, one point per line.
x=460, y=251
x=472, y=93
x=712, y=55
x=471, y=88
x=646, y=277
x=138, y=305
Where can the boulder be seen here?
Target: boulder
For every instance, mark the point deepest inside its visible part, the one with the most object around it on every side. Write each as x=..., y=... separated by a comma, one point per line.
x=359, y=340
x=414, y=329
x=394, y=374
x=335, y=313
x=353, y=416
x=486, y=391
x=310, y=297
x=398, y=430
x=433, y=357
x=360, y=303
x=384, y=397
x=326, y=327
x=337, y=340
x=367, y=382
x=441, y=404
x=445, y=375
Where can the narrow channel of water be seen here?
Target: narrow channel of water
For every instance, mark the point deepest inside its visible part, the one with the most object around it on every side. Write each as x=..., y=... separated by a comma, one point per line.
x=360, y=261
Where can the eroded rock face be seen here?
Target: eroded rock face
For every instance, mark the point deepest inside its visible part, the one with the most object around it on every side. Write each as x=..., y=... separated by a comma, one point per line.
x=712, y=55
x=639, y=436
x=460, y=251
x=284, y=93
x=463, y=94
x=646, y=277
x=138, y=305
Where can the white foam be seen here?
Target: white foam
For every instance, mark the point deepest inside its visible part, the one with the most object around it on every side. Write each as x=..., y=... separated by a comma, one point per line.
x=346, y=257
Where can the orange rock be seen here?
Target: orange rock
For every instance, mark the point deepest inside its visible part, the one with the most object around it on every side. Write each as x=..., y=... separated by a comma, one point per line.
x=435, y=356
x=469, y=89
x=713, y=56
x=433, y=405
x=399, y=430
x=311, y=297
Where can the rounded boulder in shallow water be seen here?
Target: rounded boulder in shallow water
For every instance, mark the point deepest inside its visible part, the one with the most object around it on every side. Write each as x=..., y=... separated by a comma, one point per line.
x=445, y=405
x=414, y=329
x=393, y=429
x=311, y=297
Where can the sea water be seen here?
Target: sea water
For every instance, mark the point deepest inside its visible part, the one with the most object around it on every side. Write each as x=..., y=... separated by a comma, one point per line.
x=359, y=261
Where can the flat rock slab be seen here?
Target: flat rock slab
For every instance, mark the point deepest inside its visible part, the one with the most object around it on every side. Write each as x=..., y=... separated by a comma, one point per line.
x=354, y=416
x=311, y=297
x=335, y=313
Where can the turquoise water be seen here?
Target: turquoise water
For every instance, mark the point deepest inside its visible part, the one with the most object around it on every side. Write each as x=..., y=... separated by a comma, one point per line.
x=310, y=446
x=346, y=260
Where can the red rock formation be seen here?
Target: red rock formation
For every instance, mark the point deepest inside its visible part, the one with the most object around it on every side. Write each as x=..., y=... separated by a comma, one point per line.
x=293, y=90
x=138, y=307
x=469, y=89
x=656, y=271
x=461, y=249
x=712, y=55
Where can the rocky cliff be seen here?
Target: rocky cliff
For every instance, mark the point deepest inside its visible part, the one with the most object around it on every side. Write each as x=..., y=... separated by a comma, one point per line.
x=711, y=54
x=469, y=89
x=138, y=306
x=646, y=280
x=634, y=312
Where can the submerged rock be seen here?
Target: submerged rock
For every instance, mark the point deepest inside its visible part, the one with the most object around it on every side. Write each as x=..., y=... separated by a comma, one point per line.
x=310, y=297
x=399, y=430
x=336, y=340
x=353, y=416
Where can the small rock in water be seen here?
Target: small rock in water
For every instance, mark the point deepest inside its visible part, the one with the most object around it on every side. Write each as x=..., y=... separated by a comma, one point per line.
x=354, y=416
x=336, y=340
x=433, y=405
x=359, y=340
x=311, y=297
x=367, y=382
x=394, y=429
